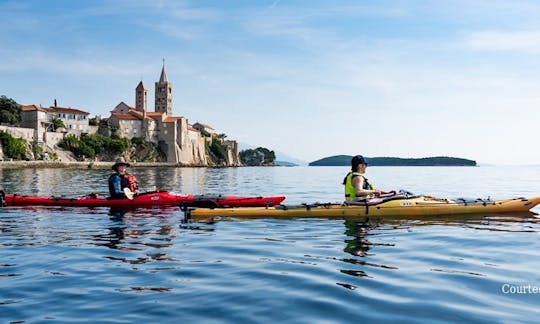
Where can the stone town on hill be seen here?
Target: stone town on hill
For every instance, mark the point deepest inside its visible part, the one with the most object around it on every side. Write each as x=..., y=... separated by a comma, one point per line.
x=181, y=142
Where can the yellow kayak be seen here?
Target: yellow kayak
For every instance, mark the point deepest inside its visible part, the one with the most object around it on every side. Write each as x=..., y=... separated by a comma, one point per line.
x=400, y=206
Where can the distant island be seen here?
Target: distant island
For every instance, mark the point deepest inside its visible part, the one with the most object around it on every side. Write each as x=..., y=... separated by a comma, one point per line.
x=285, y=163
x=345, y=160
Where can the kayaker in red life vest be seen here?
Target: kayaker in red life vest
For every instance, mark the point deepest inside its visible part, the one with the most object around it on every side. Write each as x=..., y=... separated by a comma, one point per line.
x=120, y=179
x=357, y=186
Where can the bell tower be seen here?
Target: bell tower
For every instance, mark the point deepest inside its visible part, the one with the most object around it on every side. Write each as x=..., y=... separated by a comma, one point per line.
x=141, y=95
x=163, y=95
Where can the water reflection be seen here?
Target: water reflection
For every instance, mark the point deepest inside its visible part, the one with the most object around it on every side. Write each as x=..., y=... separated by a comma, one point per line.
x=137, y=230
x=359, y=244
x=358, y=230
x=57, y=182
x=211, y=181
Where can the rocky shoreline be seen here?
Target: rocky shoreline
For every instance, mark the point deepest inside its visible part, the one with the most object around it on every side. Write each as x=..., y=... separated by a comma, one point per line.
x=84, y=165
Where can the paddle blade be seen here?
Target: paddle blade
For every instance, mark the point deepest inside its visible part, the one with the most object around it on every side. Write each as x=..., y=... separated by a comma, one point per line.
x=129, y=194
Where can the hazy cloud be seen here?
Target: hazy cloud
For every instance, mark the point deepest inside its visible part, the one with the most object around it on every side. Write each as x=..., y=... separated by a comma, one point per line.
x=525, y=41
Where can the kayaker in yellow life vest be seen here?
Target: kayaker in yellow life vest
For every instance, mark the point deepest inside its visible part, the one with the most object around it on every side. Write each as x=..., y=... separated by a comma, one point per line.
x=357, y=186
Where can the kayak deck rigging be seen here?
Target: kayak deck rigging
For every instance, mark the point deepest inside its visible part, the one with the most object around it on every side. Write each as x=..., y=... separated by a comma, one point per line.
x=403, y=206
x=147, y=199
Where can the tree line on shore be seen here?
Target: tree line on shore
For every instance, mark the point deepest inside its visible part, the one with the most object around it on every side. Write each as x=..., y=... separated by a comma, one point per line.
x=343, y=160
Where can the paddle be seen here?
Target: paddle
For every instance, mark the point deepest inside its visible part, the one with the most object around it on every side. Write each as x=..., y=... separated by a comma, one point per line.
x=129, y=194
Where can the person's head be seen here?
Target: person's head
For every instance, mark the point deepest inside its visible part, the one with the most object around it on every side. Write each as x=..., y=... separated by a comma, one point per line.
x=120, y=165
x=358, y=163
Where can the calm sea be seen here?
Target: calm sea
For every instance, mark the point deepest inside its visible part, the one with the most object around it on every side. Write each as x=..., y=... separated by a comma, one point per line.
x=148, y=266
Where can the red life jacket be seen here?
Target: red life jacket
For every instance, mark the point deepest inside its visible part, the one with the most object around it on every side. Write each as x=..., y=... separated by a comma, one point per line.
x=131, y=182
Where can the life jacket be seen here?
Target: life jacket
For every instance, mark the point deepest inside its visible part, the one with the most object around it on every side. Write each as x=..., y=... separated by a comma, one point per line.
x=350, y=190
x=126, y=181
x=130, y=182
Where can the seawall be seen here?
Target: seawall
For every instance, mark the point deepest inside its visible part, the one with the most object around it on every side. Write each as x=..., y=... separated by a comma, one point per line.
x=85, y=165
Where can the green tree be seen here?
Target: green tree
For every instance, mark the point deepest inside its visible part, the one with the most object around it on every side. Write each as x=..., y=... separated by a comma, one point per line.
x=114, y=133
x=88, y=145
x=96, y=142
x=58, y=123
x=68, y=142
x=13, y=147
x=10, y=111
x=119, y=145
x=93, y=121
x=77, y=146
x=258, y=156
x=139, y=142
x=217, y=151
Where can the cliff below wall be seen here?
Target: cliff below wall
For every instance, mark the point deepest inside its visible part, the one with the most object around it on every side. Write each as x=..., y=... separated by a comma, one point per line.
x=79, y=165
x=95, y=148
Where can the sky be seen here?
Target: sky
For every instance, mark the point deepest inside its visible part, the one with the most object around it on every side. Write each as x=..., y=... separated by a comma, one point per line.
x=307, y=79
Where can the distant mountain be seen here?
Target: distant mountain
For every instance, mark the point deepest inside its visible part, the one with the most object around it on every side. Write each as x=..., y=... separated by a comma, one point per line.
x=336, y=160
x=345, y=160
x=281, y=158
x=285, y=163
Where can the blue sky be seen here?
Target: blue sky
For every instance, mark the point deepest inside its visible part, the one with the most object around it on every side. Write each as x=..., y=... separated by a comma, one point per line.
x=306, y=78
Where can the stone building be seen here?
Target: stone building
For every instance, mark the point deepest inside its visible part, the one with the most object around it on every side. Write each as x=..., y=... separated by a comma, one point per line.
x=40, y=120
x=205, y=129
x=74, y=120
x=181, y=142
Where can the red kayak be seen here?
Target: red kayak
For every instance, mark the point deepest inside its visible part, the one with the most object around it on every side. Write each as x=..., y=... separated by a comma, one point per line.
x=148, y=199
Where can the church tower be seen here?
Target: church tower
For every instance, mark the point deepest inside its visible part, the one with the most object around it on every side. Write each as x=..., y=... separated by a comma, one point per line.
x=141, y=95
x=163, y=94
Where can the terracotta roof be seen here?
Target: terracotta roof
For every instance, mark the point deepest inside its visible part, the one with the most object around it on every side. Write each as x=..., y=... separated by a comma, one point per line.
x=138, y=113
x=154, y=114
x=69, y=110
x=172, y=119
x=205, y=126
x=32, y=108
x=125, y=116
x=193, y=129
x=135, y=112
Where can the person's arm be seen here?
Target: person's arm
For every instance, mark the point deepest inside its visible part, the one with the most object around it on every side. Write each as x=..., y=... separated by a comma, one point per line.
x=117, y=186
x=358, y=183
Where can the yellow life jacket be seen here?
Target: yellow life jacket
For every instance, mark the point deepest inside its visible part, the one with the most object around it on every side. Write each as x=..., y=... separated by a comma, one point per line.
x=350, y=190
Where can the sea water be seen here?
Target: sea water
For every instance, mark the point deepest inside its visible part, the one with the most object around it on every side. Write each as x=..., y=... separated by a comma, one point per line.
x=61, y=264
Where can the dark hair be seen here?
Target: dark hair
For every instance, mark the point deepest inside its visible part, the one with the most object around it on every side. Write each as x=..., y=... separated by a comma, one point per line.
x=357, y=160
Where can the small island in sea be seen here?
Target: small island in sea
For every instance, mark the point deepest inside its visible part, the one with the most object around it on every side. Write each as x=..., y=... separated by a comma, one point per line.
x=345, y=160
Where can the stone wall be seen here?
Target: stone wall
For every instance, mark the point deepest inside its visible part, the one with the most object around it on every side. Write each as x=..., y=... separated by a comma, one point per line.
x=52, y=139
x=26, y=134
x=93, y=129
x=182, y=146
x=231, y=151
x=78, y=165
